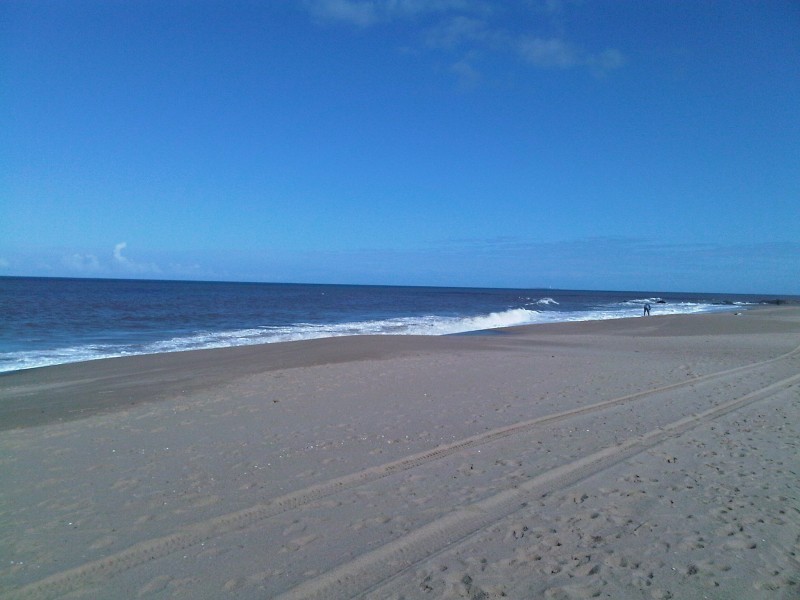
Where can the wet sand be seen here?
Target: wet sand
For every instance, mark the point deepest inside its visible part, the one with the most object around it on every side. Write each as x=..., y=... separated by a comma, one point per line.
x=636, y=458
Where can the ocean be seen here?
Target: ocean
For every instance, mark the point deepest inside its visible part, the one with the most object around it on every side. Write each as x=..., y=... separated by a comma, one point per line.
x=47, y=321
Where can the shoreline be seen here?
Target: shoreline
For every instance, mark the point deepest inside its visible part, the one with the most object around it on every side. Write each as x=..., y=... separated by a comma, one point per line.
x=76, y=390
x=643, y=457
x=69, y=350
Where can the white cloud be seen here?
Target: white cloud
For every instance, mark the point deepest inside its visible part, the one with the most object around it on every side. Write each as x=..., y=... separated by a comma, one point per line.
x=548, y=53
x=118, y=252
x=610, y=59
x=364, y=13
x=554, y=53
x=468, y=75
x=132, y=266
x=455, y=31
x=467, y=28
x=361, y=13
x=84, y=263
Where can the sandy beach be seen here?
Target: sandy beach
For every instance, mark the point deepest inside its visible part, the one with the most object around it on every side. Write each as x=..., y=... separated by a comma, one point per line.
x=635, y=458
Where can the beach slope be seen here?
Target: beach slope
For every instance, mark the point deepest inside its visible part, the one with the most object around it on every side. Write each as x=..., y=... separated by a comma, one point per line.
x=635, y=458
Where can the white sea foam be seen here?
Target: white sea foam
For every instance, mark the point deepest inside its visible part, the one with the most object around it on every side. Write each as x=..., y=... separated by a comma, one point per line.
x=640, y=301
x=422, y=325
x=13, y=361
x=546, y=302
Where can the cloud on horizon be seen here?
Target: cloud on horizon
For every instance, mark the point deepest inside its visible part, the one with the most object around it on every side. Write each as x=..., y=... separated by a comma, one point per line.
x=132, y=266
x=621, y=263
x=82, y=263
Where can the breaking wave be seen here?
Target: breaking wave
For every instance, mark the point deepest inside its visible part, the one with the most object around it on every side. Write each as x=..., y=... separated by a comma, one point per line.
x=419, y=325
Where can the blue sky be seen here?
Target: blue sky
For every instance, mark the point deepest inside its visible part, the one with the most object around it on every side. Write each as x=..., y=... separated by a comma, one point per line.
x=591, y=145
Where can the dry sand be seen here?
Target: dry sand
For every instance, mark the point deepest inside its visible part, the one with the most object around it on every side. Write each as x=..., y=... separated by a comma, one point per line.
x=639, y=458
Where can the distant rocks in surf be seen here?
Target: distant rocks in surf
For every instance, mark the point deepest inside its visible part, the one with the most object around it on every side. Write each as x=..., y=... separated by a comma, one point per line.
x=771, y=301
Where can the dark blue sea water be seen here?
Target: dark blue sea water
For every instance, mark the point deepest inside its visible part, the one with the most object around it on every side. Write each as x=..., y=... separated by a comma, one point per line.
x=51, y=321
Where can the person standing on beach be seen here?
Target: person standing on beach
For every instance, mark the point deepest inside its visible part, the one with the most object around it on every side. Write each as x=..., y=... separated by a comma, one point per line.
x=646, y=310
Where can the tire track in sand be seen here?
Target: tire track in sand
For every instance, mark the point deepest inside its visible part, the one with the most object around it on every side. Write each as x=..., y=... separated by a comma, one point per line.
x=370, y=571
x=63, y=582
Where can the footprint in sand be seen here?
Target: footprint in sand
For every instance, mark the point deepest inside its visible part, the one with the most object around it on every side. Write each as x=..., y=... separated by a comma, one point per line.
x=234, y=584
x=740, y=543
x=297, y=543
x=156, y=585
x=124, y=485
x=103, y=542
x=573, y=592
